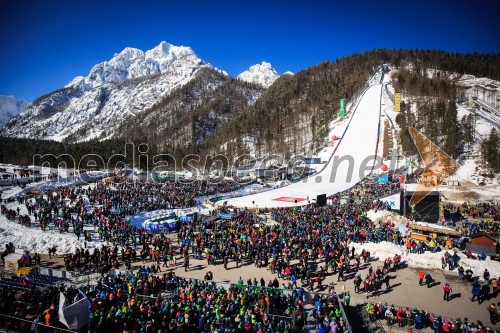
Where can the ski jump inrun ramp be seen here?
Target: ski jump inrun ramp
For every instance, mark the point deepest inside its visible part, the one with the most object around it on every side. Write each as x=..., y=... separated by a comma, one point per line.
x=354, y=154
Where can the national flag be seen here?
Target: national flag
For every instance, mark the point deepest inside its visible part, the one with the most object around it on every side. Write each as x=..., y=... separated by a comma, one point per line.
x=26, y=260
x=26, y=281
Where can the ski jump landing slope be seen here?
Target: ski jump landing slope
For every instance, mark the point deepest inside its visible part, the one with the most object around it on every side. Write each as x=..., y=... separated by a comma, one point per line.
x=354, y=154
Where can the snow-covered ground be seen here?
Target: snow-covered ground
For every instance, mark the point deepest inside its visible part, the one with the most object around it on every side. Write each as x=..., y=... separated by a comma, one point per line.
x=471, y=169
x=427, y=260
x=337, y=127
x=483, y=126
x=358, y=143
x=36, y=240
x=375, y=215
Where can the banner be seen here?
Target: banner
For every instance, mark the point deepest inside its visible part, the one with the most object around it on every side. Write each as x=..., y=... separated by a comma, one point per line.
x=76, y=315
x=393, y=201
x=342, y=107
x=384, y=179
x=397, y=102
x=226, y=216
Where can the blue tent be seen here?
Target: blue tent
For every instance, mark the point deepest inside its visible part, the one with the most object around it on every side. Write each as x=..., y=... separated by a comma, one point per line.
x=155, y=221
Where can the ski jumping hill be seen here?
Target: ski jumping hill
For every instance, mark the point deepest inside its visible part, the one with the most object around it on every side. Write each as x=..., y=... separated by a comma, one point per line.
x=351, y=161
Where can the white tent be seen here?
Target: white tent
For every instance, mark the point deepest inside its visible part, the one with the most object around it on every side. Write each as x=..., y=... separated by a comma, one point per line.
x=12, y=261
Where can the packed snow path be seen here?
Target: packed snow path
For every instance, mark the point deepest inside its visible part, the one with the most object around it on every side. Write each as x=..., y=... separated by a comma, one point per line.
x=352, y=161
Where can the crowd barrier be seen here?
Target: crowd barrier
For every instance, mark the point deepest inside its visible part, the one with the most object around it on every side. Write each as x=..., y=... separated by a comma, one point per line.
x=403, y=324
x=310, y=296
x=14, y=324
x=289, y=321
x=393, y=323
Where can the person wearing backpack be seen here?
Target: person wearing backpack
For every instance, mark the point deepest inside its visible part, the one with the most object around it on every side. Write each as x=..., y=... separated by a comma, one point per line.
x=435, y=324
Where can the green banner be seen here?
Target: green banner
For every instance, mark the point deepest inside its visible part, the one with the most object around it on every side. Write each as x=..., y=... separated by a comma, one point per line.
x=342, y=108
x=258, y=288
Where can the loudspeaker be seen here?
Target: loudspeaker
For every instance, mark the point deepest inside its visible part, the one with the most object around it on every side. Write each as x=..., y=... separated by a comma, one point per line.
x=321, y=200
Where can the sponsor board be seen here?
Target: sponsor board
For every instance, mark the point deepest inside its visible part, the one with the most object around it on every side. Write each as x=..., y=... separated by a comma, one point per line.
x=289, y=199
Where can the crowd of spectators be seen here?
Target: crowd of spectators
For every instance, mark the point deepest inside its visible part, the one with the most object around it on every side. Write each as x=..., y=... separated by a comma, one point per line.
x=303, y=247
x=421, y=319
x=120, y=304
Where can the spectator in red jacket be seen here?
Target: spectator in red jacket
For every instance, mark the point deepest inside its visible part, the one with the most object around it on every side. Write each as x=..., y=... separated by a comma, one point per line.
x=421, y=275
x=447, y=290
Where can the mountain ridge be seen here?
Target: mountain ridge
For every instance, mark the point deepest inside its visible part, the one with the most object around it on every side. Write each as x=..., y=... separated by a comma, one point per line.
x=263, y=74
x=217, y=113
x=114, y=91
x=10, y=107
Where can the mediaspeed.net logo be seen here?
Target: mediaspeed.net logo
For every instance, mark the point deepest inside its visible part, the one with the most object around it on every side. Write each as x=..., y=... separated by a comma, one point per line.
x=438, y=166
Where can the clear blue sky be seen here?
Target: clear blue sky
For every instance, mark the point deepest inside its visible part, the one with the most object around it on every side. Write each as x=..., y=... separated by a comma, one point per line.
x=45, y=44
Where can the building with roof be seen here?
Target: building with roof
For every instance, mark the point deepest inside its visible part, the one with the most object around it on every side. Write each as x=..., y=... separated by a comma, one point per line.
x=482, y=242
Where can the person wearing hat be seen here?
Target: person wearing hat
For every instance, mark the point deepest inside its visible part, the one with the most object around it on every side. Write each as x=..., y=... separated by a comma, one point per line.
x=461, y=271
x=492, y=309
x=447, y=290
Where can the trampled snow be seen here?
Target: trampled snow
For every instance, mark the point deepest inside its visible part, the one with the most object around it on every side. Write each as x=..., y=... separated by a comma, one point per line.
x=36, y=240
x=375, y=215
x=427, y=260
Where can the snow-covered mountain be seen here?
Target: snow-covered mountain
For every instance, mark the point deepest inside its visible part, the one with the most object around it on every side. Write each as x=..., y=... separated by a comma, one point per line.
x=194, y=112
x=114, y=91
x=263, y=74
x=132, y=63
x=10, y=107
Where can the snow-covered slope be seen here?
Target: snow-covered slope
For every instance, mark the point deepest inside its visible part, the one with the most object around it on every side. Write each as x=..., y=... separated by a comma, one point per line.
x=113, y=91
x=10, y=107
x=359, y=141
x=263, y=74
x=132, y=63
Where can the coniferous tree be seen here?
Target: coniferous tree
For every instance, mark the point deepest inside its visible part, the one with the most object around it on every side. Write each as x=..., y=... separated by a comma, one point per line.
x=490, y=150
